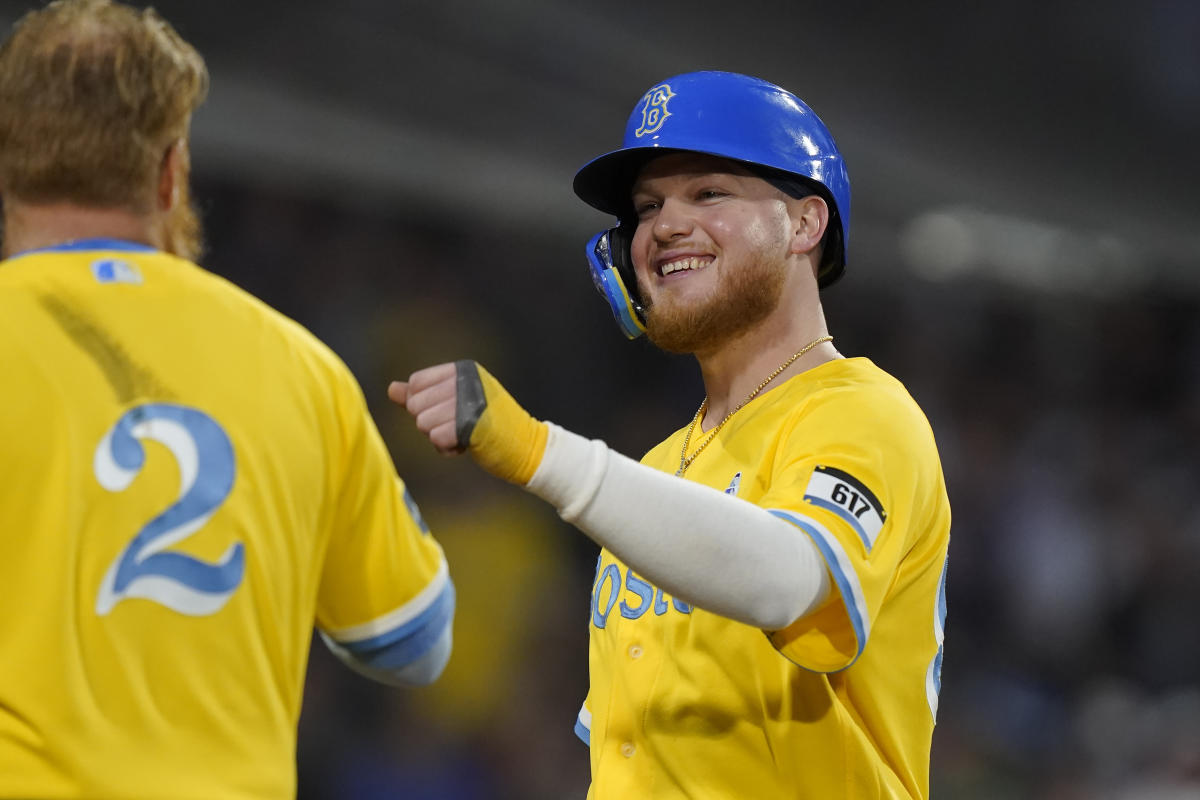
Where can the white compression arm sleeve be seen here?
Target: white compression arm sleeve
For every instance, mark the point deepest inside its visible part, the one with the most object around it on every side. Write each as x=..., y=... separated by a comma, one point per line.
x=714, y=551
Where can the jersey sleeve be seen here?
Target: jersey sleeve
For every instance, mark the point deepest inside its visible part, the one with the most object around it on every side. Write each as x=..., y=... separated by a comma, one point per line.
x=385, y=593
x=848, y=474
x=583, y=723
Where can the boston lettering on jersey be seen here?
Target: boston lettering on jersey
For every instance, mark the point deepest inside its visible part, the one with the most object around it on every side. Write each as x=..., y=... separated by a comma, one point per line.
x=636, y=596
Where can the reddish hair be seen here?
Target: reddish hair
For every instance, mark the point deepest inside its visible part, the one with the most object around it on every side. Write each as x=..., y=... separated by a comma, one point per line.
x=92, y=94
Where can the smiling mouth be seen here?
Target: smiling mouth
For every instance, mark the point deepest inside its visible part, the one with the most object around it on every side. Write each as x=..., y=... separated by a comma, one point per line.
x=683, y=265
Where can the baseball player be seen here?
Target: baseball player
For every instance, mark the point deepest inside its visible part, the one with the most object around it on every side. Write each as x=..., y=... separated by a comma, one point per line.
x=189, y=481
x=768, y=605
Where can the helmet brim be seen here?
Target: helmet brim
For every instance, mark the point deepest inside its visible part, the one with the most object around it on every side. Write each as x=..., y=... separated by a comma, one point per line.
x=606, y=182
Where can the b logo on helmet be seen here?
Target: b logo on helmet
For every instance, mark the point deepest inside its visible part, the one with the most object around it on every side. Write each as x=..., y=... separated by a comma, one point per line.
x=654, y=109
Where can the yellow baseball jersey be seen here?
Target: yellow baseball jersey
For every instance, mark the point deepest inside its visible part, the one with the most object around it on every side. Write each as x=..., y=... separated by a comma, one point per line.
x=684, y=703
x=189, y=483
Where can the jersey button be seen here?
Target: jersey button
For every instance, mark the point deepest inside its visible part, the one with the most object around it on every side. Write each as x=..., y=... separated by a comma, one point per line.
x=635, y=651
x=628, y=749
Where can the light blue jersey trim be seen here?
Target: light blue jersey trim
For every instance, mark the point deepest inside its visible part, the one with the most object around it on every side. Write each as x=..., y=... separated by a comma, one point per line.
x=821, y=502
x=406, y=643
x=842, y=571
x=583, y=726
x=933, y=680
x=583, y=733
x=77, y=245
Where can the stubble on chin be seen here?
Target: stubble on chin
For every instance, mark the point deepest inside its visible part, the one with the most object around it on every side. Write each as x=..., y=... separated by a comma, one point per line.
x=743, y=298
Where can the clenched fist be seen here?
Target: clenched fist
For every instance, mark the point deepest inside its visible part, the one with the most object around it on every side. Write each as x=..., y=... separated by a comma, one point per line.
x=461, y=407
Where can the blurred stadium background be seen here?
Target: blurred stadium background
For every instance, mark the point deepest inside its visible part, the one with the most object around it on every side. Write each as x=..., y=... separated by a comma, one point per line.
x=1025, y=256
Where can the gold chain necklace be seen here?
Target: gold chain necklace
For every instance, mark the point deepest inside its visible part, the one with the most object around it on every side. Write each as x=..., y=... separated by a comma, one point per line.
x=685, y=460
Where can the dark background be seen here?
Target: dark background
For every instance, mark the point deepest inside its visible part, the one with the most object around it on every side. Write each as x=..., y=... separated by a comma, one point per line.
x=1025, y=256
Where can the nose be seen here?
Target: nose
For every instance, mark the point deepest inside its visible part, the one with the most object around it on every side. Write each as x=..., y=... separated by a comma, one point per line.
x=672, y=221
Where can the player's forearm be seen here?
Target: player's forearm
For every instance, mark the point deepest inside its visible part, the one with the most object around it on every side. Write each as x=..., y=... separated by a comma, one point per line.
x=717, y=552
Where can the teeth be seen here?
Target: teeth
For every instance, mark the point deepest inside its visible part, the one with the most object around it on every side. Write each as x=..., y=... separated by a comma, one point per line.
x=684, y=264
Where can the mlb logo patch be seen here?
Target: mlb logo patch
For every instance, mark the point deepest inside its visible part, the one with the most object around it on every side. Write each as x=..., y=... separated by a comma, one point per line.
x=114, y=270
x=734, y=485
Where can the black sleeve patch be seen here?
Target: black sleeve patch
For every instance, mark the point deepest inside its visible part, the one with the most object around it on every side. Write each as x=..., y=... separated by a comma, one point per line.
x=843, y=494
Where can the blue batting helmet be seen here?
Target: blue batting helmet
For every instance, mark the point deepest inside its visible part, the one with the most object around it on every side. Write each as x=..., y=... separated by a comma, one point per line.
x=764, y=127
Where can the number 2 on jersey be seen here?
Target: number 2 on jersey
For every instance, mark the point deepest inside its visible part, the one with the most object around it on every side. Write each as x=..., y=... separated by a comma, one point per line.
x=204, y=454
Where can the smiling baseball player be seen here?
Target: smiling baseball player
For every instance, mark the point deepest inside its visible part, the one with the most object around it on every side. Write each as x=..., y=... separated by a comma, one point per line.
x=768, y=605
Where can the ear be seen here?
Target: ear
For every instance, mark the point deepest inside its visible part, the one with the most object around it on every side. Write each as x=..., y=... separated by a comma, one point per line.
x=172, y=174
x=810, y=218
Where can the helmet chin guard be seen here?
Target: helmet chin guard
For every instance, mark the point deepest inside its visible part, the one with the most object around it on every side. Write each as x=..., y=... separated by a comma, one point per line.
x=611, y=281
x=744, y=119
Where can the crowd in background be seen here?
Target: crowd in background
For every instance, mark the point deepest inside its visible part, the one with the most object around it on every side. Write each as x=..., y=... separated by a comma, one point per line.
x=1069, y=427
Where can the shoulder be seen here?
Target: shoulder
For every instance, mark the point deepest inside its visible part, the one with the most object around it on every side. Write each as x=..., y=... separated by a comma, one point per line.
x=19, y=274
x=851, y=410
x=274, y=329
x=854, y=394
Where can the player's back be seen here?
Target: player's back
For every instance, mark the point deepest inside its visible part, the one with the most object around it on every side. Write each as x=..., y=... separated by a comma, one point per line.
x=169, y=472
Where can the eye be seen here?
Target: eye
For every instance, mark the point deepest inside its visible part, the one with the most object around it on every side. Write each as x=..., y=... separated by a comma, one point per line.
x=645, y=207
x=711, y=193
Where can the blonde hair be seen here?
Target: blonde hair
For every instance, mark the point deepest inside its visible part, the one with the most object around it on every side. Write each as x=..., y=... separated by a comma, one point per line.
x=92, y=94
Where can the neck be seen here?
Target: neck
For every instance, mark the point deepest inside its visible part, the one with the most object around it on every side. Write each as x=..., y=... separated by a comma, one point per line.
x=734, y=370
x=31, y=227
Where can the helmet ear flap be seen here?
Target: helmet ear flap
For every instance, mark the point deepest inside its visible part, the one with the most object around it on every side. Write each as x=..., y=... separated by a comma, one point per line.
x=611, y=267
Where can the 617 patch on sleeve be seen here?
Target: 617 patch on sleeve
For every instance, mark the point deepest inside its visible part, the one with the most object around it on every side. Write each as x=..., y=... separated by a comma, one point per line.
x=846, y=496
